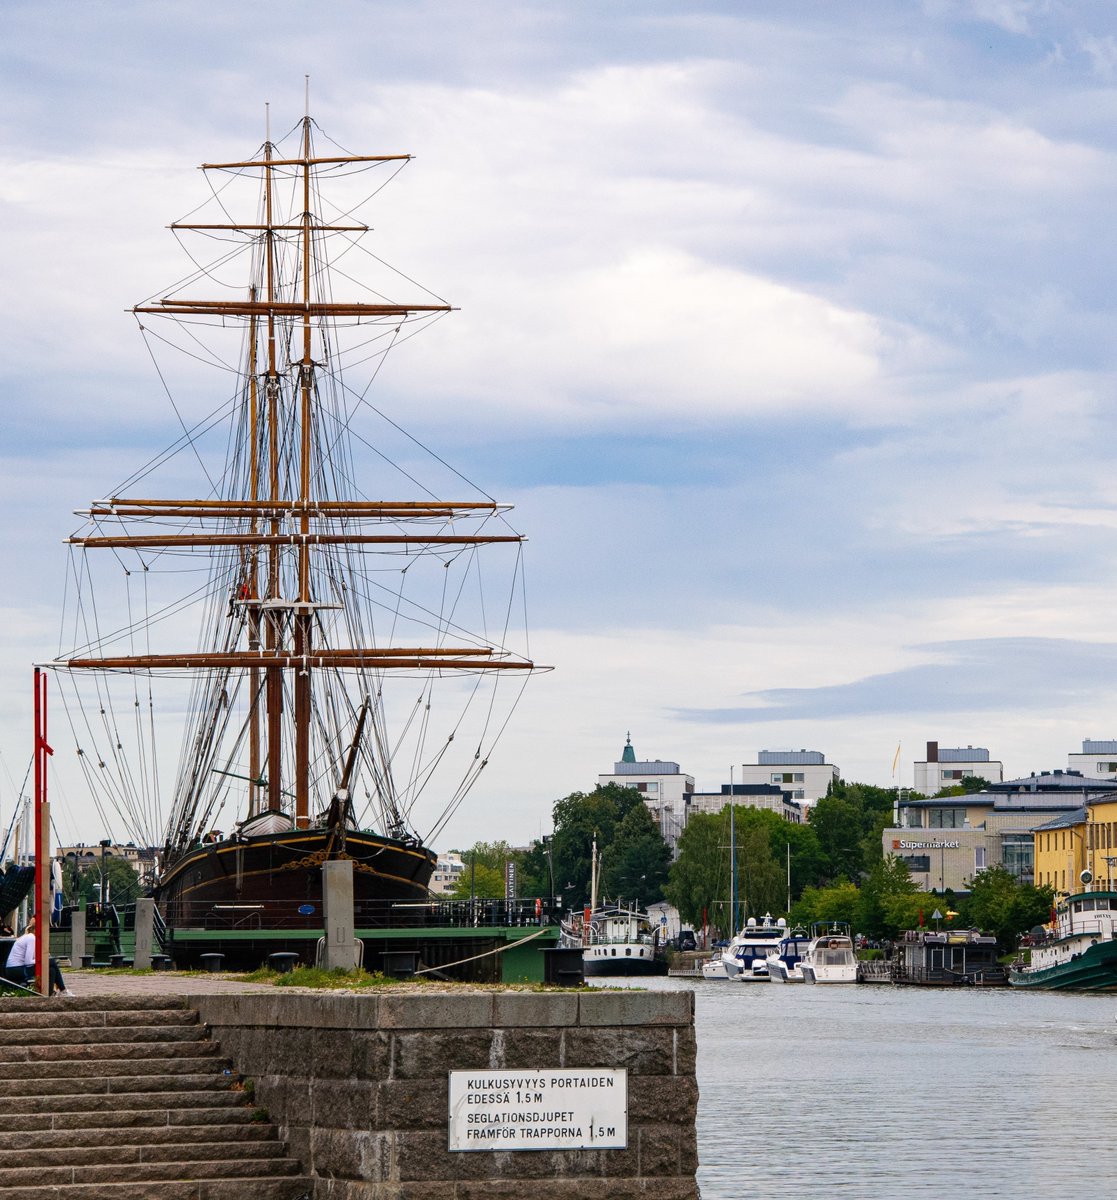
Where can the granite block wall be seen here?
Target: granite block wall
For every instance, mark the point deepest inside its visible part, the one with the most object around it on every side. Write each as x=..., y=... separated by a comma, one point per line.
x=358, y=1085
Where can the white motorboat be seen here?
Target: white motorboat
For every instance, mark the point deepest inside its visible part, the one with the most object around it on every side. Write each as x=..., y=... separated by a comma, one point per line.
x=829, y=958
x=746, y=955
x=785, y=964
x=714, y=967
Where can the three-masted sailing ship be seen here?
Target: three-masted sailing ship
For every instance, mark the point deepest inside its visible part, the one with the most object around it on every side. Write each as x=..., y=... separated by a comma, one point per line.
x=303, y=578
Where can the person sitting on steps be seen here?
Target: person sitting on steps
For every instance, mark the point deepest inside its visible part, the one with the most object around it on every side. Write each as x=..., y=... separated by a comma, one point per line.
x=20, y=967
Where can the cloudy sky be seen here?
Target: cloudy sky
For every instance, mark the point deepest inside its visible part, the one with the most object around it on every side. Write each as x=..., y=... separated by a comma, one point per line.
x=786, y=327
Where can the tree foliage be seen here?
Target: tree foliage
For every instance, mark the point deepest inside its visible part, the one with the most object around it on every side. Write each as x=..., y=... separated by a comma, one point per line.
x=635, y=855
x=699, y=882
x=849, y=821
x=701, y=876
x=1000, y=904
x=483, y=876
x=84, y=883
x=636, y=862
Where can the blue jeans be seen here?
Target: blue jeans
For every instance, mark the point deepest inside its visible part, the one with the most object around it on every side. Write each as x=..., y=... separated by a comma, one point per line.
x=26, y=976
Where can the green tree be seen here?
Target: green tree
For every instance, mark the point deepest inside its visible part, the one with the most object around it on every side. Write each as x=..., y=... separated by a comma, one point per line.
x=484, y=870
x=1000, y=904
x=637, y=859
x=840, y=902
x=124, y=883
x=969, y=785
x=761, y=881
x=838, y=825
x=578, y=818
x=699, y=878
x=479, y=881
x=535, y=872
x=886, y=899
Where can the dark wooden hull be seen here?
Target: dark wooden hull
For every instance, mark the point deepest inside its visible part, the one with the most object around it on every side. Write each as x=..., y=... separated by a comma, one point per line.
x=283, y=871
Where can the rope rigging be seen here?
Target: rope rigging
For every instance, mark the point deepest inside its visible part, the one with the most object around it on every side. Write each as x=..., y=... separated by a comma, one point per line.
x=272, y=456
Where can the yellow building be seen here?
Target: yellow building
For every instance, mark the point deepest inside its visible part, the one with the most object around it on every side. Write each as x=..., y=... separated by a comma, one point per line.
x=1084, y=840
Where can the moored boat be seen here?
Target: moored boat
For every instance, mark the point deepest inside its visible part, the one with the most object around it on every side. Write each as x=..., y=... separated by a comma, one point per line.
x=947, y=958
x=829, y=956
x=618, y=940
x=746, y=956
x=1078, y=951
x=786, y=965
x=346, y=673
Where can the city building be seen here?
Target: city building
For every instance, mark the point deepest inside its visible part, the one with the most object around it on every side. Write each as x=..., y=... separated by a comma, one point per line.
x=749, y=795
x=1098, y=759
x=140, y=858
x=946, y=767
x=804, y=774
x=664, y=788
x=946, y=842
x=1084, y=840
x=447, y=871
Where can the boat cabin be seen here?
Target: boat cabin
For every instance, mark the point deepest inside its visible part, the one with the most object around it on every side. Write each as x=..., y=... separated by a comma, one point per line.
x=947, y=958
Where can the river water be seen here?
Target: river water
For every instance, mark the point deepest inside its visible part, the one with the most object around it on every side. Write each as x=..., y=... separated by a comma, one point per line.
x=891, y=1092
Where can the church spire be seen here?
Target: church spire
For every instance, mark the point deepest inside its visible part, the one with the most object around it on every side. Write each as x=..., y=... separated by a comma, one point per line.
x=629, y=754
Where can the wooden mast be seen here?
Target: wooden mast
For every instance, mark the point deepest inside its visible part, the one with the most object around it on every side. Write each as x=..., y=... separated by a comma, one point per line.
x=251, y=585
x=273, y=679
x=303, y=613
x=276, y=523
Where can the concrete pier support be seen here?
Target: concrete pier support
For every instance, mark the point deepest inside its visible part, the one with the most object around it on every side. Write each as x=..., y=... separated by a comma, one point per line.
x=77, y=936
x=359, y=1085
x=337, y=901
x=145, y=931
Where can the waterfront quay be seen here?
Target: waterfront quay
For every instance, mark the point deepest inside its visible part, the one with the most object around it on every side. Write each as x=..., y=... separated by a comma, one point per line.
x=378, y=1094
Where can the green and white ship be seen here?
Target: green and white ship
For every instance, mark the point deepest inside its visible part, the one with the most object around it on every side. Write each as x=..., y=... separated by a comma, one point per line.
x=1079, y=949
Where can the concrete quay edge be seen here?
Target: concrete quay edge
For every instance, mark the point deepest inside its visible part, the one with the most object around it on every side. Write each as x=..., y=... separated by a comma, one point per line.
x=444, y=1010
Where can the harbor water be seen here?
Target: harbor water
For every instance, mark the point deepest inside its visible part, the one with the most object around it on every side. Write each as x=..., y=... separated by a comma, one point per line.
x=886, y=1092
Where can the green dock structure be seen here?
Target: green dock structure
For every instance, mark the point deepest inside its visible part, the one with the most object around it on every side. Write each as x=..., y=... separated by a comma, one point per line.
x=470, y=941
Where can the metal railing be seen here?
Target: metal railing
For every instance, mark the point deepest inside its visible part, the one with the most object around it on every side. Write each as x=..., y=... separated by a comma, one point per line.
x=367, y=915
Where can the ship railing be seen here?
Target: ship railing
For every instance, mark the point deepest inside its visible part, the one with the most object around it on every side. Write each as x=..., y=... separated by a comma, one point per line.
x=368, y=915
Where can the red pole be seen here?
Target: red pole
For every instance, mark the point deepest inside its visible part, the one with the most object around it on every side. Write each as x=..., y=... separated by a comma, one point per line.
x=42, y=838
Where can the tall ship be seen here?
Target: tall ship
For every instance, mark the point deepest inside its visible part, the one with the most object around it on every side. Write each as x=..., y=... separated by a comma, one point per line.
x=330, y=667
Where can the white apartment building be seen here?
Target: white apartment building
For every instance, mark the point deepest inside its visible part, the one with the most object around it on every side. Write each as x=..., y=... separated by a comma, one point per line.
x=749, y=795
x=665, y=790
x=945, y=767
x=804, y=774
x=447, y=871
x=1098, y=760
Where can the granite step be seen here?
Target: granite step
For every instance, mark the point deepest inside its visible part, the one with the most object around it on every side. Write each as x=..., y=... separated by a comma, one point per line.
x=132, y=1159
x=101, y=1068
x=75, y=1014
x=117, y=1085
x=95, y=1095
x=168, y=1132
x=263, y=1188
x=79, y=1051
x=241, y=1167
x=52, y=1035
x=123, y=1101
x=103, y=1004
x=212, y=1109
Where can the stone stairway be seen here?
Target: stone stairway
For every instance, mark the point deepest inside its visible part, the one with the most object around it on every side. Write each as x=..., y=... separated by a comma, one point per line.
x=126, y=1098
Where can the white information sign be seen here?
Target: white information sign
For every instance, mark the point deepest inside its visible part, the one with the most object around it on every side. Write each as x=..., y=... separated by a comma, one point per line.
x=584, y=1108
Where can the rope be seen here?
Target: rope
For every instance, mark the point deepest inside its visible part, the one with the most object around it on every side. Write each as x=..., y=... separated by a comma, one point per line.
x=499, y=950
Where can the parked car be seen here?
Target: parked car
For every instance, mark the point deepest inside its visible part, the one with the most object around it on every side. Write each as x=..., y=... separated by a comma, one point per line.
x=686, y=940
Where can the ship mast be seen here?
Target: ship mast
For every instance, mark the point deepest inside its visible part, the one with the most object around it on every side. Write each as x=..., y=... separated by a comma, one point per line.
x=303, y=610
x=279, y=519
